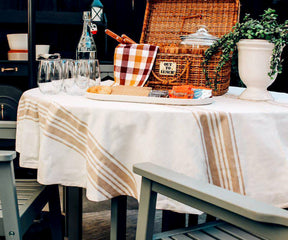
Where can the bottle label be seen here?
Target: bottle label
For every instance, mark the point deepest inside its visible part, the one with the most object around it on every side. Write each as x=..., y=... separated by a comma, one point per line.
x=94, y=28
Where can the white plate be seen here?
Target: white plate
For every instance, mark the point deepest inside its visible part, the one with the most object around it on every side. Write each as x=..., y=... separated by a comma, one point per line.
x=151, y=100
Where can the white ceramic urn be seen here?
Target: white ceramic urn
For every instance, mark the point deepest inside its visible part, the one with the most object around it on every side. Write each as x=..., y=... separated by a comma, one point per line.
x=254, y=57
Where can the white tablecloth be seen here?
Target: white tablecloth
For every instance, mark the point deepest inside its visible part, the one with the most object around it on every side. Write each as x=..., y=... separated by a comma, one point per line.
x=236, y=144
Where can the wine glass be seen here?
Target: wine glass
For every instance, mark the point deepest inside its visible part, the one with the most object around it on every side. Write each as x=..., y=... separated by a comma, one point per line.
x=82, y=75
x=69, y=74
x=94, y=72
x=49, y=76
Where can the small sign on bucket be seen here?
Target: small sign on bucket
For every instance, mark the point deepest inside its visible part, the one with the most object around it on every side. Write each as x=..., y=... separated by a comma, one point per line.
x=167, y=68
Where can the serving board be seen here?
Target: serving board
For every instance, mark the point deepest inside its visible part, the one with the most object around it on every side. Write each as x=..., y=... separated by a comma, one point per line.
x=150, y=100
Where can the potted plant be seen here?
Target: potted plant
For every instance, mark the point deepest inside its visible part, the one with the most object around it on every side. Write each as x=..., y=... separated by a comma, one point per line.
x=260, y=44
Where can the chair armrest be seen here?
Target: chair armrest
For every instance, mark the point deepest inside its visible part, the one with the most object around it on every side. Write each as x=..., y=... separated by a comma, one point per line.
x=7, y=156
x=8, y=124
x=8, y=129
x=222, y=198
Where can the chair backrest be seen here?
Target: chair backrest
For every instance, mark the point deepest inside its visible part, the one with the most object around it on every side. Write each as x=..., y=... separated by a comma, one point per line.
x=7, y=182
x=7, y=129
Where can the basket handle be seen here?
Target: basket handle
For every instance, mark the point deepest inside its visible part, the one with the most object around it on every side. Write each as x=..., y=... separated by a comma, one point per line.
x=166, y=82
x=192, y=16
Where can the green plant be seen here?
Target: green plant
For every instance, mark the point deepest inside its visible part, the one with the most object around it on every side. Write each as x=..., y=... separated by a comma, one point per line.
x=266, y=28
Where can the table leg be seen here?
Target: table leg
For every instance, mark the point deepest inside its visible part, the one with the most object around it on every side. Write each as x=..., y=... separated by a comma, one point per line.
x=73, y=217
x=118, y=218
x=172, y=220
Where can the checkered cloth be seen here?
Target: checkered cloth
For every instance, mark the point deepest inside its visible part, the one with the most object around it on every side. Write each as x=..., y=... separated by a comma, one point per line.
x=133, y=63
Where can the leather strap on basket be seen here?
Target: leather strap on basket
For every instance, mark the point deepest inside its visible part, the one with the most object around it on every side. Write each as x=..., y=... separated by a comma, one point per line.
x=192, y=16
x=166, y=82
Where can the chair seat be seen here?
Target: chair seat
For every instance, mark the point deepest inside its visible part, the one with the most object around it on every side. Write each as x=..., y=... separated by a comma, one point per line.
x=208, y=231
x=28, y=190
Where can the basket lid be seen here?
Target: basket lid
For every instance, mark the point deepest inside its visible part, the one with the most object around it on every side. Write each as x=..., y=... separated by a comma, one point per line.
x=166, y=20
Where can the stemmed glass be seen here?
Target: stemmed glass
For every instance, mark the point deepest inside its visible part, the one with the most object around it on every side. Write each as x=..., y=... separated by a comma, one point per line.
x=94, y=72
x=82, y=75
x=49, y=76
x=69, y=75
x=87, y=74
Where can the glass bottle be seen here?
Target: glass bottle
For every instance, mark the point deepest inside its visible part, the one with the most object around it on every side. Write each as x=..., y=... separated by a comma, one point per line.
x=86, y=47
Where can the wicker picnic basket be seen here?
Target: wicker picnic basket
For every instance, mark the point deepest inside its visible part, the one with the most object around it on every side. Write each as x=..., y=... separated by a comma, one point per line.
x=166, y=20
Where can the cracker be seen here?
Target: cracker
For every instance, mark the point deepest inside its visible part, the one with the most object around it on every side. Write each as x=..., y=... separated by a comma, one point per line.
x=100, y=89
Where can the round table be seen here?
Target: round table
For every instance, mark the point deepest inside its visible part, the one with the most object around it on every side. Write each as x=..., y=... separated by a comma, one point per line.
x=236, y=144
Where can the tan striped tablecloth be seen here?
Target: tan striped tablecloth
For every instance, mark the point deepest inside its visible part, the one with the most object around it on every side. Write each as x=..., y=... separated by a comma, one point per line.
x=238, y=145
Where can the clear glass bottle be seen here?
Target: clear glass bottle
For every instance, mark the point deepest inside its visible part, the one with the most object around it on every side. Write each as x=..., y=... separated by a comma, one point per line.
x=86, y=47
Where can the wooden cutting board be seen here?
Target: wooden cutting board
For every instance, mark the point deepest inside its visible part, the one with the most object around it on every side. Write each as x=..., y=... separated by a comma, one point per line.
x=131, y=91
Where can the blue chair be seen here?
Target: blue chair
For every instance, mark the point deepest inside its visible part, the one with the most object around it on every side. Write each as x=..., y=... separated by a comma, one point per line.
x=241, y=217
x=22, y=200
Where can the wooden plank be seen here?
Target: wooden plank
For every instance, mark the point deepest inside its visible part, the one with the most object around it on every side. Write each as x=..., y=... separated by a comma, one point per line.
x=29, y=189
x=23, y=195
x=22, y=202
x=27, y=181
x=186, y=230
x=198, y=235
x=237, y=232
x=218, y=234
x=180, y=237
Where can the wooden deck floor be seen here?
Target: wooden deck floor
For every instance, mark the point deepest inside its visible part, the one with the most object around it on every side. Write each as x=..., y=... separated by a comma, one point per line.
x=96, y=220
x=96, y=225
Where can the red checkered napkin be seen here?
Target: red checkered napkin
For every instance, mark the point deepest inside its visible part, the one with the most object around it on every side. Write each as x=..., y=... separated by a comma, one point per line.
x=133, y=63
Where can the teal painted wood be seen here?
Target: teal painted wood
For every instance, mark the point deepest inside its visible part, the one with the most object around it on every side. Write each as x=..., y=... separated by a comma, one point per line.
x=198, y=235
x=22, y=201
x=147, y=208
x=181, y=237
x=7, y=129
x=7, y=156
x=239, y=233
x=217, y=233
x=187, y=230
x=8, y=197
x=255, y=217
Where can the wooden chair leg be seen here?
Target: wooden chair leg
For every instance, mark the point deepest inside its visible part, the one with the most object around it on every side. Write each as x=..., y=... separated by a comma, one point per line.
x=9, y=202
x=55, y=213
x=118, y=218
x=146, y=214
